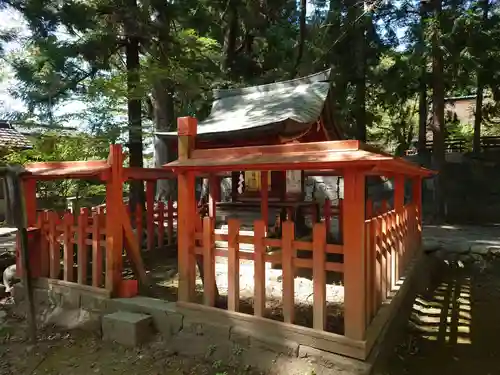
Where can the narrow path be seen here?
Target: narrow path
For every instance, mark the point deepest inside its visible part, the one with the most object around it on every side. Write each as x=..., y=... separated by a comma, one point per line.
x=454, y=326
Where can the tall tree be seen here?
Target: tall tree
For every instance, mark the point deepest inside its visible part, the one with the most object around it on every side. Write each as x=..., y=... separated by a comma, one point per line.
x=134, y=106
x=422, y=97
x=481, y=83
x=438, y=106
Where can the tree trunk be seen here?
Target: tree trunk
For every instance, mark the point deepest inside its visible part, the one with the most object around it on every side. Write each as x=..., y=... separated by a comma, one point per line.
x=358, y=21
x=164, y=119
x=360, y=80
x=438, y=123
x=134, y=108
x=478, y=115
x=163, y=104
x=422, y=99
x=337, y=61
x=302, y=37
x=230, y=36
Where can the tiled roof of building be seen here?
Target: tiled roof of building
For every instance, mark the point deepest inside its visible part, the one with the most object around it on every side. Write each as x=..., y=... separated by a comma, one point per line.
x=11, y=138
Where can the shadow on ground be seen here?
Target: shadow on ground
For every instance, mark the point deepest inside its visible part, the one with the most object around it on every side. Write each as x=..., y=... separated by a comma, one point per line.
x=454, y=326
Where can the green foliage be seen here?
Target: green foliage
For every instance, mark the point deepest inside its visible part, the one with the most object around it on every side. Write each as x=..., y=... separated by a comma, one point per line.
x=189, y=47
x=52, y=146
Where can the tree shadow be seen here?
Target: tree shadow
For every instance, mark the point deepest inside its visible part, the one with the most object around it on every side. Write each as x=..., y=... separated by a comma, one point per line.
x=453, y=325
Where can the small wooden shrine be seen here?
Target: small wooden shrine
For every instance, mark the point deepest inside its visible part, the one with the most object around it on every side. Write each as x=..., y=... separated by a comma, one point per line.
x=375, y=256
x=295, y=111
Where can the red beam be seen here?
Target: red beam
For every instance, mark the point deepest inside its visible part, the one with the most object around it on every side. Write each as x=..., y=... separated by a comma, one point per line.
x=148, y=174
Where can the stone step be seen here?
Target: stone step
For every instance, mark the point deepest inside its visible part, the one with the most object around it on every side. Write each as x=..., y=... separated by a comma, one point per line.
x=127, y=328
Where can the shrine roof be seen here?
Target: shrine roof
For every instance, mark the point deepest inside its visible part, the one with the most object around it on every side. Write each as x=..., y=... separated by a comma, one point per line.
x=305, y=156
x=11, y=138
x=234, y=110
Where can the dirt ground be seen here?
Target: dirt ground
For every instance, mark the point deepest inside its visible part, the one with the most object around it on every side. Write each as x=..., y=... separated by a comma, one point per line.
x=82, y=353
x=454, y=326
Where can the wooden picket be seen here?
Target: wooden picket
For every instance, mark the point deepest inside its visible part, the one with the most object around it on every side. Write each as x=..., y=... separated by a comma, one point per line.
x=391, y=241
x=205, y=239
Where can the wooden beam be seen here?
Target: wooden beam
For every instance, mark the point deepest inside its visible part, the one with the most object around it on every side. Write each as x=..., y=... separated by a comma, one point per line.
x=350, y=145
x=354, y=255
x=147, y=174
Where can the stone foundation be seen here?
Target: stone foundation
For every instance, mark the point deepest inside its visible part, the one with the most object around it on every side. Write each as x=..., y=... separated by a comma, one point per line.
x=193, y=333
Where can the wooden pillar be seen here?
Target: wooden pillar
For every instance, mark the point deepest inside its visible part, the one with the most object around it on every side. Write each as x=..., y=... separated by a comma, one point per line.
x=417, y=200
x=354, y=254
x=264, y=197
x=186, y=206
x=29, y=192
x=399, y=202
x=114, y=229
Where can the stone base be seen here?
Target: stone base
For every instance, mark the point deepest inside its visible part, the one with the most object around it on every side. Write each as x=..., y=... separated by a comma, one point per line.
x=131, y=321
x=126, y=328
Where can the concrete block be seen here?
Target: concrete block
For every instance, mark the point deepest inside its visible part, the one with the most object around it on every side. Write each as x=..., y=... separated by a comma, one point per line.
x=70, y=297
x=126, y=328
x=92, y=302
x=165, y=316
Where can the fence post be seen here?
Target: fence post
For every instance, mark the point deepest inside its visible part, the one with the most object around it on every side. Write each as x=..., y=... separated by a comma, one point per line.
x=319, y=276
x=233, y=264
x=260, y=267
x=68, y=260
x=354, y=254
x=170, y=222
x=81, y=237
x=186, y=210
x=287, y=254
x=209, y=284
x=114, y=220
x=54, y=249
x=161, y=224
x=417, y=201
x=96, y=249
x=399, y=202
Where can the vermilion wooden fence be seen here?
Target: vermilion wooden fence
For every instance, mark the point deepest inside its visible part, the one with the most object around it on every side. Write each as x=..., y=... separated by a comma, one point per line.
x=391, y=240
x=61, y=233
x=162, y=217
x=287, y=258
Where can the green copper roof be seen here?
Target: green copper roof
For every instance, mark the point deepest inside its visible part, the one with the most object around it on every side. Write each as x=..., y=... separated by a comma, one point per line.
x=300, y=100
